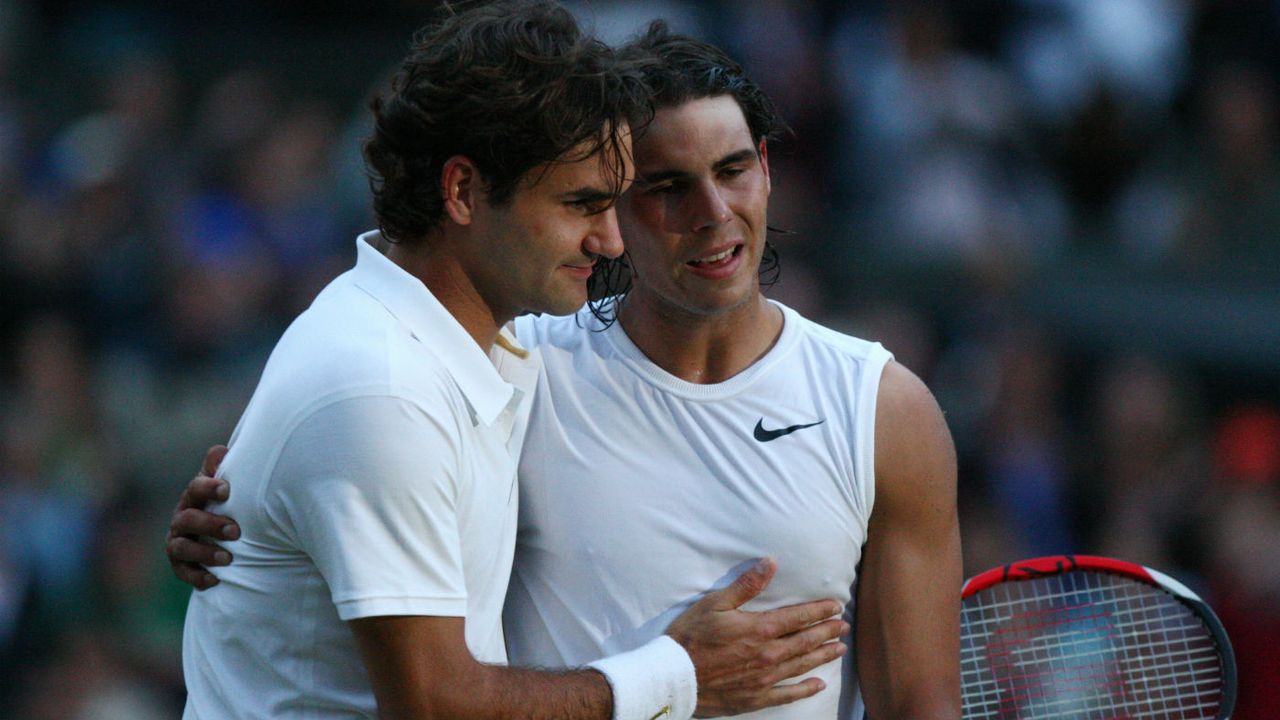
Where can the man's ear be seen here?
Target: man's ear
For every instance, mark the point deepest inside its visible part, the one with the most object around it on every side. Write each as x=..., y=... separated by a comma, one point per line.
x=763, y=151
x=460, y=186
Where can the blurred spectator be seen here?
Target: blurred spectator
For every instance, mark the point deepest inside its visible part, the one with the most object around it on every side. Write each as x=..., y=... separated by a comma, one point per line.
x=1235, y=190
x=85, y=680
x=1026, y=447
x=1067, y=51
x=1010, y=194
x=936, y=142
x=1245, y=562
x=1149, y=466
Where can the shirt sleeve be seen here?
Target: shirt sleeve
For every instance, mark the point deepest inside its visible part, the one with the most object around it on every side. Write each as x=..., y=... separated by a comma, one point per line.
x=368, y=488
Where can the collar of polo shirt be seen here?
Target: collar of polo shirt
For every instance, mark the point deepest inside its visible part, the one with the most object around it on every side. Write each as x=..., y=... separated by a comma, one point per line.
x=410, y=302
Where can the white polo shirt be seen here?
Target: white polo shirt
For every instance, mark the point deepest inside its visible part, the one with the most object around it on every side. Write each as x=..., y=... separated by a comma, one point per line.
x=373, y=473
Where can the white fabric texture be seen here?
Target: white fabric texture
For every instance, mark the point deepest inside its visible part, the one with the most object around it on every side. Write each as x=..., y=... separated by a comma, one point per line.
x=640, y=490
x=373, y=473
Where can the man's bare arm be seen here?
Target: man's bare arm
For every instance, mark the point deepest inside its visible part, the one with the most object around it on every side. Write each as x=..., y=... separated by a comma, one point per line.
x=908, y=609
x=420, y=667
x=738, y=656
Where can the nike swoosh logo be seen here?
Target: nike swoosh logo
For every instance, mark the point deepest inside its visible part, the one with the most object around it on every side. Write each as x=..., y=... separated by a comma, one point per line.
x=766, y=435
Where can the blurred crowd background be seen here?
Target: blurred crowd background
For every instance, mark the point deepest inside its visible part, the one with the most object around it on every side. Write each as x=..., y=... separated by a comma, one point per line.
x=1062, y=214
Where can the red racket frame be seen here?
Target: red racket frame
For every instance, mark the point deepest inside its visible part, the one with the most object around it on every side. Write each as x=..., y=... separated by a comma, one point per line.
x=1060, y=564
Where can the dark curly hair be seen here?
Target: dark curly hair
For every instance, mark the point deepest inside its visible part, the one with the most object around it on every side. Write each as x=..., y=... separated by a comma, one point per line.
x=511, y=85
x=678, y=68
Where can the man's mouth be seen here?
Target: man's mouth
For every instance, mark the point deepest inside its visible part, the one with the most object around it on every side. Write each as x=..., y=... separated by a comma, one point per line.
x=580, y=270
x=716, y=259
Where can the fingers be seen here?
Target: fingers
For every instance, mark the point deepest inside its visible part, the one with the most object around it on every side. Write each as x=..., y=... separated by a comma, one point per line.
x=203, y=490
x=756, y=690
x=199, y=523
x=755, y=697
x=793, y=618
x=185, y=551
x=746, y=586
x=194, y=575
x=188, y=558
x=805, y=662
x=793, y=655
x=212, y=459
x=783, y=694
x=815, y=635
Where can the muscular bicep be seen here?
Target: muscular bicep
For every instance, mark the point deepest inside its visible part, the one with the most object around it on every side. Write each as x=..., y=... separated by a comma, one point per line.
x=908, y=614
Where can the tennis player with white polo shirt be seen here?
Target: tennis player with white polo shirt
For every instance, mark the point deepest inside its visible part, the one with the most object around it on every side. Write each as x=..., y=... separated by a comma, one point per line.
x=375, y=465
x=709, y=426
x=401, y=394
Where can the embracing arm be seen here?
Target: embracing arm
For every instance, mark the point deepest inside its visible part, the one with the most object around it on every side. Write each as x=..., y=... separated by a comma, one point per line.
x=420, y=667
x=908, y=607
x=738, y=656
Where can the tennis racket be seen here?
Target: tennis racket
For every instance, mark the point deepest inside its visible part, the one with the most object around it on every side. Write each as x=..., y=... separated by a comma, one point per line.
x=1088, y=638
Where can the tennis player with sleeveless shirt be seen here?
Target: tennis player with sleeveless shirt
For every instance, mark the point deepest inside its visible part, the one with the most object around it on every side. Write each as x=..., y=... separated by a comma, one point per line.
x=710, y=426
x=376, y=462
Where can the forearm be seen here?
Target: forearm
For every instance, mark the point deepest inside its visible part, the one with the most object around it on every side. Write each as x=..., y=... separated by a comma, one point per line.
x=491, y=692
x=420, y=667
x=908, y=628
x=908, y=632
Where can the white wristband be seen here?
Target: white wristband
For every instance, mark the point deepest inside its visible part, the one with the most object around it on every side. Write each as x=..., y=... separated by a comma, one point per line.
x=656, y=681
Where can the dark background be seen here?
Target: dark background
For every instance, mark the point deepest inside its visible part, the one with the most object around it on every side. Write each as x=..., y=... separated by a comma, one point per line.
x=1062, y=215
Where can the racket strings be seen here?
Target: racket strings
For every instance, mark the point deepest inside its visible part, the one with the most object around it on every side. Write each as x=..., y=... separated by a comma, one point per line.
x=1085, y=645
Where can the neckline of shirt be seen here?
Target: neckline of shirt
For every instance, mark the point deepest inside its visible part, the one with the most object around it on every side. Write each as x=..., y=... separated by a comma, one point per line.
x=648, y=370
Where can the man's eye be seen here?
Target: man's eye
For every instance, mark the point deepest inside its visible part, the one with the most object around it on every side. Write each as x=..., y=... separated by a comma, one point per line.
x=732, y=172
x=668, y=188
x=590, y=206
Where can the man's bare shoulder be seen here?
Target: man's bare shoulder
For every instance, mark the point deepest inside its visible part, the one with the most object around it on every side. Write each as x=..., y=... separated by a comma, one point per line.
x=904, y=396
x=915, y=457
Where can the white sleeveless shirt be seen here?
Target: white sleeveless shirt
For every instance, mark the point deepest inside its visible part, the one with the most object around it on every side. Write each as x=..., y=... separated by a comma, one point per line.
x=639, y=491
